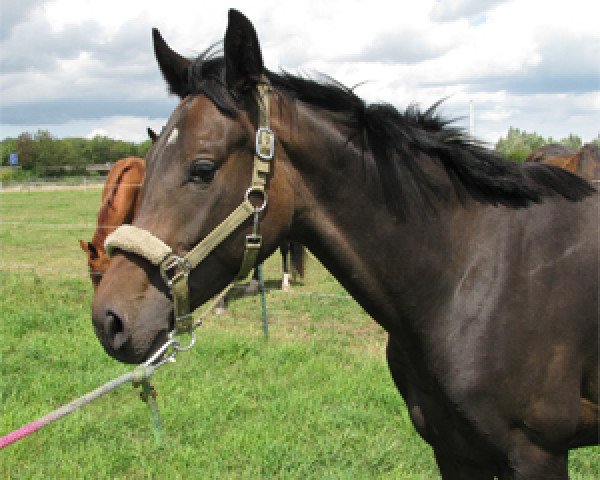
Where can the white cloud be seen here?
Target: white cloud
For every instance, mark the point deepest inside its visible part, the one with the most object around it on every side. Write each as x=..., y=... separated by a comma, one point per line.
x=82, y=64
x=126, y=128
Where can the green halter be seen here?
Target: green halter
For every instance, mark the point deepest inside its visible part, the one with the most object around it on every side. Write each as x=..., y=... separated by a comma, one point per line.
x=174, y=269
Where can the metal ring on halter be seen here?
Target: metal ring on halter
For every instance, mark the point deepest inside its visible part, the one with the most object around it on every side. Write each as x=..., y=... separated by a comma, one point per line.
x=260, y=192
x=179, y=348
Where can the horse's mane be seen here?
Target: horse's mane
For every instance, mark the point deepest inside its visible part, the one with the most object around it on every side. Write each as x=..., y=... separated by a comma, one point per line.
x=399, y=142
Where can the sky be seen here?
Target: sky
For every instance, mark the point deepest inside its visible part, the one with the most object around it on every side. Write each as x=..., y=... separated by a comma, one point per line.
x=80, y=68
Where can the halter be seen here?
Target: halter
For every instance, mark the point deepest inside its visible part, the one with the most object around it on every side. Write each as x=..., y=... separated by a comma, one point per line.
x=175, y=269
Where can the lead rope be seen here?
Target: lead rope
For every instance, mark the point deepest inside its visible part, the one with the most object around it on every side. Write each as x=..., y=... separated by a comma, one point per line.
x=175, y=271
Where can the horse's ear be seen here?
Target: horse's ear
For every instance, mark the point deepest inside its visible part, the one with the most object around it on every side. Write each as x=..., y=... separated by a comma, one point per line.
x=152, y=134
x=173, y=66
x=243, y=58
x=83, y=245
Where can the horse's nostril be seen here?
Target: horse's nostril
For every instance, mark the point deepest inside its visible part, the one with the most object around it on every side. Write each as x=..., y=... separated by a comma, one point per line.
x=115, y=330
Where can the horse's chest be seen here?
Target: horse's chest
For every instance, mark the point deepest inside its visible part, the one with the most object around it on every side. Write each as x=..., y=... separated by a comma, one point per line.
x=435, y=417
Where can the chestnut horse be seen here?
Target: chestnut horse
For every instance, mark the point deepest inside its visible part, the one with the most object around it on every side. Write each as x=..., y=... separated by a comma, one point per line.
x=585, y=162
x=120, y=199
x=483, y=272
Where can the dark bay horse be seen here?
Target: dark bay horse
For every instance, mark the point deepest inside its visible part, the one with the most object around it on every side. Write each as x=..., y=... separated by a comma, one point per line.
x=585, y=162
x=483, y=272
x=120, y=199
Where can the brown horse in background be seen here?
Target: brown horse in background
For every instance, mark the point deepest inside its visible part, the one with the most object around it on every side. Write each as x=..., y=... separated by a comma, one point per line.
x=584, y=162
x=120, y=199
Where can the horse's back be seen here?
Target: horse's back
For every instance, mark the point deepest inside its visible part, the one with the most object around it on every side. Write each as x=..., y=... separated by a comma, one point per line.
x=545, y=152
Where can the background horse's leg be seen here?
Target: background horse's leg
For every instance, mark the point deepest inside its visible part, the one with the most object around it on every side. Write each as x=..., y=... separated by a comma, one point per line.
x=284, y=248
x=297, y=259
x=221, y=307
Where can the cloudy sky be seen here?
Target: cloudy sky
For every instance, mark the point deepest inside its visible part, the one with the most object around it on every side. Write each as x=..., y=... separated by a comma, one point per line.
x=86, y=67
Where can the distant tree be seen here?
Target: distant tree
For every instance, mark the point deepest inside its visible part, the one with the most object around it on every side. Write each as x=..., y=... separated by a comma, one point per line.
x=142, y=148
x=46, y=152
x=99, y=149
x=519, y=144
x=75, y=151
x=119, y=149
x=596, y=141
x=26, y=151
x=573, y=141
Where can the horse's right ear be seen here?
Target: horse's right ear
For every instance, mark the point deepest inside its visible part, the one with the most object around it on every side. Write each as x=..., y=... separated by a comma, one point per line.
x=90, y=249
x=152, y=134
x=173, y=66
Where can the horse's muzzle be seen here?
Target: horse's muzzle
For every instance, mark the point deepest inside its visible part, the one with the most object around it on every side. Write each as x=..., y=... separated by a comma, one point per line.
x=110, y=326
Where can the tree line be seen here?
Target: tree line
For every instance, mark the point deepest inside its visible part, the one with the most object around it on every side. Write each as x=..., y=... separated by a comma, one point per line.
x=518, y=144
x=41, y=152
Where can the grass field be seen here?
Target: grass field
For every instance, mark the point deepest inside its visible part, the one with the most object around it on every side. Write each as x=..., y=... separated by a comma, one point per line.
x=315, y=401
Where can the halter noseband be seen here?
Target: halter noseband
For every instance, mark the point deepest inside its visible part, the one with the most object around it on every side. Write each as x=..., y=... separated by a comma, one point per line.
x=175, y=269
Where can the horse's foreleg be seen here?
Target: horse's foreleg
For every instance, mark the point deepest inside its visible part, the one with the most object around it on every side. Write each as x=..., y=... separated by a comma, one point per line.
x=452, y=468
x=531, y=462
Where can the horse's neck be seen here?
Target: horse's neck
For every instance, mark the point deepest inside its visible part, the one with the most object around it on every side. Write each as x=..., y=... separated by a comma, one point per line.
x=390, y=266
x=104, y=226
x=119, y=202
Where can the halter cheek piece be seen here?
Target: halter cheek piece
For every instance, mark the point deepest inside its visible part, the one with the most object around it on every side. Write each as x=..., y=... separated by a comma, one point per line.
x=175, y=269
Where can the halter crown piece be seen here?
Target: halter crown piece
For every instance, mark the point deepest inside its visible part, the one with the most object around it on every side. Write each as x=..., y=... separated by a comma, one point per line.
x=175, y=269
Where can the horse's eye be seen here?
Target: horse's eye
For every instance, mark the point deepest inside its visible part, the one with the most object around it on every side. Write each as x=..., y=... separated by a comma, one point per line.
x=202, y=171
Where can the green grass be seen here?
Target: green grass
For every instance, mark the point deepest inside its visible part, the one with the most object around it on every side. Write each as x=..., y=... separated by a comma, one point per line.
x=315, y=401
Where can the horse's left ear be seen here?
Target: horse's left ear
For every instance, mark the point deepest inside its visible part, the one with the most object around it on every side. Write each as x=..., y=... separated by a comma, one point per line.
x=243, y=58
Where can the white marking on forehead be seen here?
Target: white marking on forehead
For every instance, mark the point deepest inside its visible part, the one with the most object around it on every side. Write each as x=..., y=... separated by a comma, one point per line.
x=173, y=136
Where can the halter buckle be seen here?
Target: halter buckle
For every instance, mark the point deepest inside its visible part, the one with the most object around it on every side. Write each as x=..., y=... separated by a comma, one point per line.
x=253, y=240
x=173, y=269
x=265, y=143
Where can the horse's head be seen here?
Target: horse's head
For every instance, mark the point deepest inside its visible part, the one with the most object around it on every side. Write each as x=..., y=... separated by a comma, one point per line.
x=197, y=173
x=97, y=261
